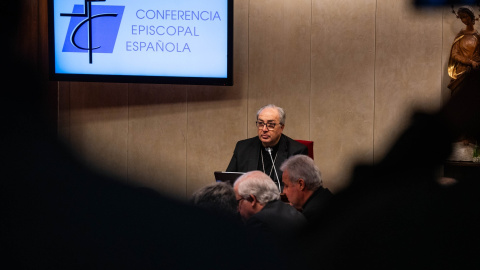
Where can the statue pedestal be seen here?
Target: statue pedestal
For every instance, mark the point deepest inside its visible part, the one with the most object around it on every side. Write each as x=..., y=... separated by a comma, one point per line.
x=461, y=152
x=461, y=165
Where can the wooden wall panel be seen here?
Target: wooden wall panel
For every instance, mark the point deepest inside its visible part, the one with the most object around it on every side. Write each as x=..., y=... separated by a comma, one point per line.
x=30, y=32
x=279, y=62
x=213, y=127
x=408, y=67
x=63, y=122
x=343, y=64
x=347, y=72
x=99, y=124
x=217, y=115
x=157, y=136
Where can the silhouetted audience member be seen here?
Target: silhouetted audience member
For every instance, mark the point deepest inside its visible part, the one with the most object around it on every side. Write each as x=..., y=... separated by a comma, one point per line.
x=395, y=215
x=267, y=218
x=218, y=198
x=59, y=214
x=260, y=206
x=303, y=186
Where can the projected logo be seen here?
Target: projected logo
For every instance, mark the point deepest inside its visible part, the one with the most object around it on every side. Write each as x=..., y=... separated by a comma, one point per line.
x=92, y=28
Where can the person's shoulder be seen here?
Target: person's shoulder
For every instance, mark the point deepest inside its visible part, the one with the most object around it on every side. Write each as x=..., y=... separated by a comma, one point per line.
x=457, y=36
x=316, y=205
x=318, y=198
x=257, y=221
x=279, y=206
x=325, y=192
x=270, y=208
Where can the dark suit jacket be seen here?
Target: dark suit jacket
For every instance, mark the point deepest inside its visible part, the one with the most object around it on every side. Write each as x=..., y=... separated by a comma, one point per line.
x=313, y=207
x=246, y=154
x=277, y=221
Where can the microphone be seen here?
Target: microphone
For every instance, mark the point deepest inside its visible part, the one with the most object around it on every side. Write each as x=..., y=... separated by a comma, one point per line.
x=269, y=150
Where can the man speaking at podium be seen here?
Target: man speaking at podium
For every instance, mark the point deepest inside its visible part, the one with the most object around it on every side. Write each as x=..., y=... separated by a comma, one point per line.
x=269, y=147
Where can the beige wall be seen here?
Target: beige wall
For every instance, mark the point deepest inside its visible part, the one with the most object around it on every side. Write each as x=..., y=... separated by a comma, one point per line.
x=347, y=72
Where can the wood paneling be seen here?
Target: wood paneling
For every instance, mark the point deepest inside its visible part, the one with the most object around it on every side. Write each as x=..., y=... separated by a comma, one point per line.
x=347, y=72
x=343, y=65
x=279, y=62
x=217, y=115
x=408, y=67
x=99, y=124
x=157, y=136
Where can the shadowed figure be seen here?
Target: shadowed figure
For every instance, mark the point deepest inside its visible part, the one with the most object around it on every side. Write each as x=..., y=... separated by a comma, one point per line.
x=395, y=215
x=59, y=214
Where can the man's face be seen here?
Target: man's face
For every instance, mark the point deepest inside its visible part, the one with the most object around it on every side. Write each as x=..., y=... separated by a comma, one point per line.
x=269, y=137
x=245, y=207
x=292, y=191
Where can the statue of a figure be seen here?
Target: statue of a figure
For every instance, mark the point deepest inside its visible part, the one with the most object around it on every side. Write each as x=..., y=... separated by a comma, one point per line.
x=464, y=57
x=465, y=53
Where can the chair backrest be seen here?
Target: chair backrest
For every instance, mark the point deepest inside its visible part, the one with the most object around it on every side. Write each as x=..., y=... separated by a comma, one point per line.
x=309, y=145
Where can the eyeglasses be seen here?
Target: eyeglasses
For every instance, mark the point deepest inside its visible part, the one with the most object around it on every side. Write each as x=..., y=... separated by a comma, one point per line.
x=249, y=199
x=270, y=126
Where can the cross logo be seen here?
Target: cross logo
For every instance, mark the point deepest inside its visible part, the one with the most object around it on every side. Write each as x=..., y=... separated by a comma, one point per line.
x=92, y=28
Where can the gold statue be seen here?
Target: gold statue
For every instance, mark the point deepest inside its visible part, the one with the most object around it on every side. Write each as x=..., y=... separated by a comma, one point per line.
x=465, y=52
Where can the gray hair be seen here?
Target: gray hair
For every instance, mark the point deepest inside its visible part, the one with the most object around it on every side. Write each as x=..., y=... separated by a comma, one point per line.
x=301, y=166
x=280, y=110
x=258, y=184
x=218, y=196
